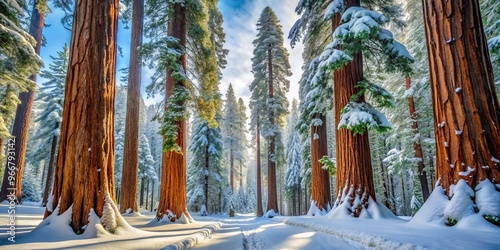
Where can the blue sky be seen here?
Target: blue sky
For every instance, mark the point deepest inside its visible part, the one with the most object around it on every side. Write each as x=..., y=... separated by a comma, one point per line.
x=240, y=19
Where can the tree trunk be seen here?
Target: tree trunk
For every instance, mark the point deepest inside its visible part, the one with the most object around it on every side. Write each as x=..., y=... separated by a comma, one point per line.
x=299, y=200
x=207, y=160
x=173, y=185
x=50, y=173
x=259, y=185
x=272, y=199
x=147, y=194
x=22, y=120
x=131, y=145
x=141, y=194
x=465, y=105
x=422, y=175
x=152, y=196
x=354, y=167
x=320, y=192
x=231, y=170
x=84, y=171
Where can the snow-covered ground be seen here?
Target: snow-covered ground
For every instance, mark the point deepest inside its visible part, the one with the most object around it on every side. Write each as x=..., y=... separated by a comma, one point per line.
x=245, y=231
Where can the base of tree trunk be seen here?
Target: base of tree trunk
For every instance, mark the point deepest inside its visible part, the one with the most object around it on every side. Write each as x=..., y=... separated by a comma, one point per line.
x=351, y=204
x=315, y=211
x=479, y=207
x=111, y=222
x=169, y=218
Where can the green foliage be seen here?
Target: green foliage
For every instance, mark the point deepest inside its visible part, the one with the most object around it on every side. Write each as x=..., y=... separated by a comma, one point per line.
x=451, y=222
x=378, y=94
x=18, y=61
x=329, y=163
x=359, y=117
x=176, y=111
x=493, y=219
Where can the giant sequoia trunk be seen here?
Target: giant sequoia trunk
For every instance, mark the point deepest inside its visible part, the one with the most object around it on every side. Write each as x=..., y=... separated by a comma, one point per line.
x=466, y=108
x=128, y=199
x=173, y=185
x=354, y=167
x=84, y=178
x=22, y=120
x=272, y=196
x=320, y=190
x=422, y=174
x=259, y=184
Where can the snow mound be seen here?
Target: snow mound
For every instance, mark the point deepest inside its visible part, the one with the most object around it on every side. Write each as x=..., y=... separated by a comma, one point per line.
x=375, y=210
x=460, y=210
x=315, y=211
x=270, y=214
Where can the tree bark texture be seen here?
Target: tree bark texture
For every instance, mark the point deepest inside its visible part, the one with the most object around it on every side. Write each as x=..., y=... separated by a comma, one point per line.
x=131, y=141
x=354, y=167
x=84, y=168
x=259, y=181
x=173, y=185
x=422, y=174
x=272, y=196
x=320, y=190
x=22, y=120
x=465, y=106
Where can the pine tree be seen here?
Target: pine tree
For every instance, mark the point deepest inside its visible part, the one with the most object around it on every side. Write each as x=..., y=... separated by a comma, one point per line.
x=294, y=160
x=86, y=149
x=119, y=135
x=205, y=170
x=241, y=156
x=19, y=61
x=270, y=67
x=146, y=161
x=231, y=127
x=52, y=98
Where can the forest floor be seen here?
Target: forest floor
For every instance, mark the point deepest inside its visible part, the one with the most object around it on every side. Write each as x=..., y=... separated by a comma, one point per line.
x=245, y=231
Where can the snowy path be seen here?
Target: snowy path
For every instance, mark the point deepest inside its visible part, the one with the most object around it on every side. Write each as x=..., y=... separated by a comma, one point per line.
x=249, y=232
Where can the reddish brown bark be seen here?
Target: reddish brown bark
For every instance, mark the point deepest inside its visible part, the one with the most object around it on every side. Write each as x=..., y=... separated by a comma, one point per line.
x=354, y=167
x=465, y=106
x=128, y=199
x=22, y=120
x=173, y=185
x=422, y=174
x=320, y=190
x=259, y=184
x=272, y=199
x=84, y=170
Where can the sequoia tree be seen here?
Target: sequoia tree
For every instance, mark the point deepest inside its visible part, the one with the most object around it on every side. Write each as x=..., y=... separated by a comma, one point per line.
x=173, y=186
x=128, y=197
x=466, y=109
x=358, y=30
x=315, y=97
x=84, y=181
x=270, y=67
